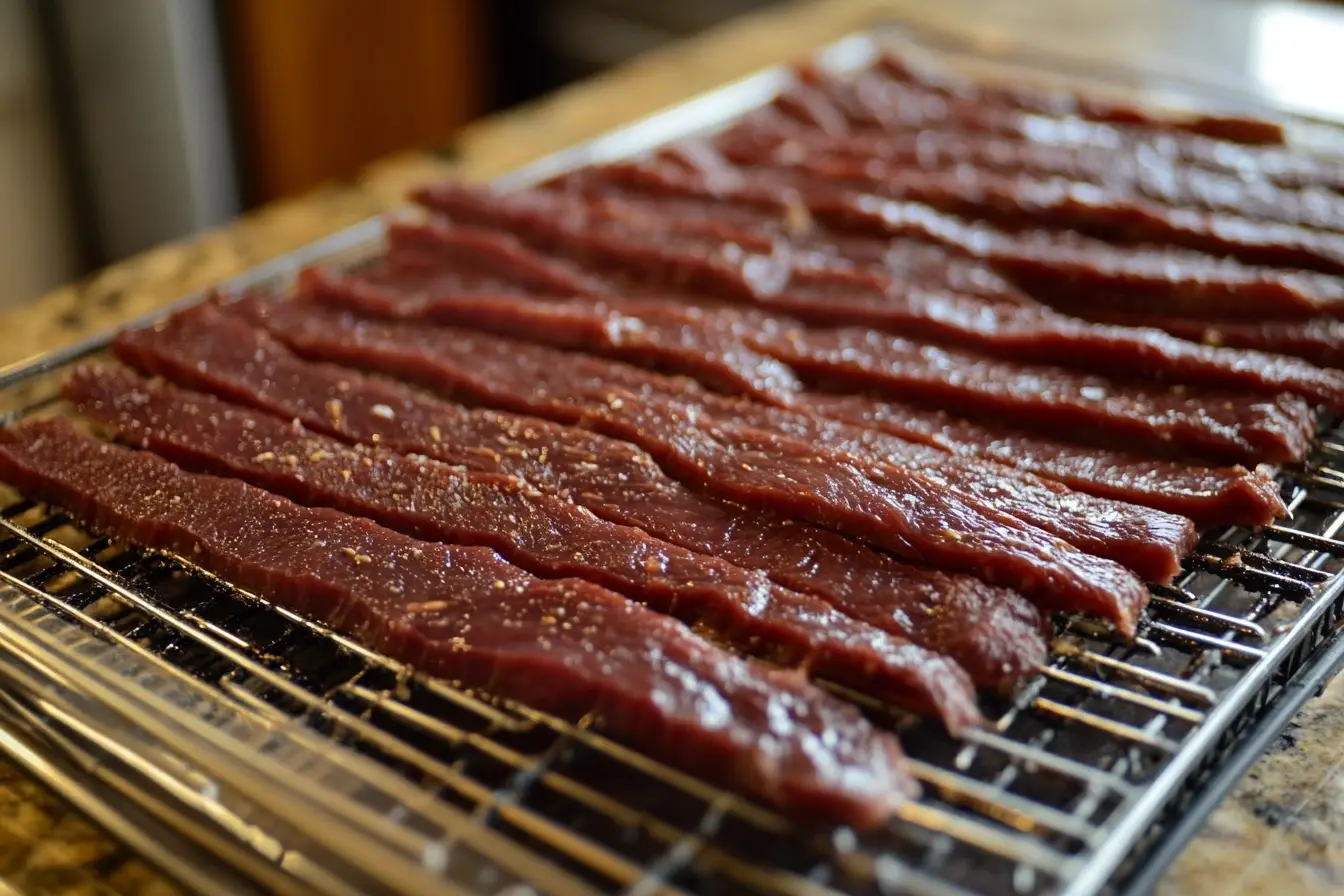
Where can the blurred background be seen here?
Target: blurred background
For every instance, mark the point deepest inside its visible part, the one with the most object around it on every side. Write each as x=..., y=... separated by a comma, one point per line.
x=128, y=123
x=124, y=124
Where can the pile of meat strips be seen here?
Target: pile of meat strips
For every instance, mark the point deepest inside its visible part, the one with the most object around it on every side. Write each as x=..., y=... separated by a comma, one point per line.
x=863, y=389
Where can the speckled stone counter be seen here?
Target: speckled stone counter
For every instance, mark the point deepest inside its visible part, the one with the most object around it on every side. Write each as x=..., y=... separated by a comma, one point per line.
x=1281, y=831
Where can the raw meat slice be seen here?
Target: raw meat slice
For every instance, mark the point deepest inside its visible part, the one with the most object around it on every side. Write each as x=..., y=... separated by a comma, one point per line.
x=904, y=513
x=565, y=647
x=1092, y=107
x=1060, y=266
x=1318, y=340
x=1148, y=542
x=1161, y=180
x=1208, y=495
x=544, y=535
x=788, y=285
x=992, y=632
x=1205, y=423
x=1286, y=168
x=1015, y=200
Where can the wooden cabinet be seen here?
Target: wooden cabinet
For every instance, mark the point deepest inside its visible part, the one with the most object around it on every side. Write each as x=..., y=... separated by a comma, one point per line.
x=322, y=87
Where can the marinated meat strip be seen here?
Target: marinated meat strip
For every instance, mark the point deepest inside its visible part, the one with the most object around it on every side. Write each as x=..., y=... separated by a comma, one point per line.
x=992, y=632
x=715, y=355
x=565, y=647
x=542, y=534
x=1208, y=495
x=1028, y=332
x=757, y=141
x=1148, y=542
x=1142, y=174
x=1062, y=266
x=1196, y=422
x=1016, y=200
x=1062, y=263
x=903, y=512
x=1067, y=267
x=1223, y=426
x=841, y=108
x=482, y=260
x=871, y=102
x=1276, y=165
x=494, y=261
x=1234, y=128
x=1319, y=340
x=1077, y=274
x=869, y=263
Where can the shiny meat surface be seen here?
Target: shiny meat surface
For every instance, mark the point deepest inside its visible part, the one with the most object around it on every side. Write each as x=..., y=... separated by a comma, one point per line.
x=792, y=283
x=563, y=646
x=1209, y=495
x=540, y=533
x=1060, y=102
x=1218, y=425
x=1141, y=173
x=992, y=632
x=903, y=512
x=1319, y=340
x=1150, y=543
x=1017, y=200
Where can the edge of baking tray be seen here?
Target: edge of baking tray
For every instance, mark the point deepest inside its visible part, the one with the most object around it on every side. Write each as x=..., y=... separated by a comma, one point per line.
x=1209, y=744
x=1309, y=682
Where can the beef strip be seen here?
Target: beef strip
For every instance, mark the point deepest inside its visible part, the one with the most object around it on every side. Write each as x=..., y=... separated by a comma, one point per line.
x=903, y=512
x=1055, y=266
x=1062, y=268
x=1077, y=274
x=1223, y=426
x=565, y=647
x=871, y=102
x=864, y=263
x=1163, y=181
x=1064, y=264
x=1318, y=340
x=542, y=534
x=1150, y=543
x=1092, y=107
x=1209, y=495
x=1220, y=425
x=497, y=260
x=1285, y=168
x=992, y=632
x=790, y=284
x=1015, y=200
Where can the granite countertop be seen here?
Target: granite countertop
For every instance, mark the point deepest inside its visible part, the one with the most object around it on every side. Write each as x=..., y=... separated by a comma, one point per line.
x=1282, y=828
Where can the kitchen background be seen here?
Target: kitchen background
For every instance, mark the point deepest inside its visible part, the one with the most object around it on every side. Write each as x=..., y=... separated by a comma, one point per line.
x=129, y=123
x=126, y=124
